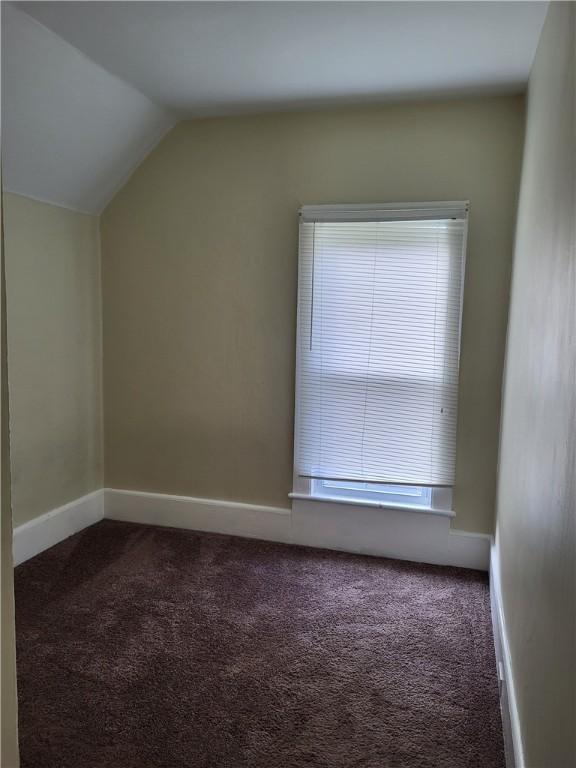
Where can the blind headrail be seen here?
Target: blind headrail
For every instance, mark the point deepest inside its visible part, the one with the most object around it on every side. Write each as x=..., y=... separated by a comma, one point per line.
x=434, y=211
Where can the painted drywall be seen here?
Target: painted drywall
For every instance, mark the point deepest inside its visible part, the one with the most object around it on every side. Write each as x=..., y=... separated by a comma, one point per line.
x=256, y=57
x=9, y=705
x=199, y=257
x=536, y=502
x=71, y=131
x=54, y=354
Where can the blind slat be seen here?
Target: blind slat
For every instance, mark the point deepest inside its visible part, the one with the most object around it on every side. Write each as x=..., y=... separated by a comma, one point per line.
x=378, y=331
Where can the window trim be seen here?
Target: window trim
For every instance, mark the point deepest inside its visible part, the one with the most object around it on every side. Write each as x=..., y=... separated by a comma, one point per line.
x=441, y=503
x=441, y=498
x=385, y=493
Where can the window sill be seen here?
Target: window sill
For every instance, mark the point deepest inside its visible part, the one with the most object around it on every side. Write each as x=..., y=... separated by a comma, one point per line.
x=373, y=504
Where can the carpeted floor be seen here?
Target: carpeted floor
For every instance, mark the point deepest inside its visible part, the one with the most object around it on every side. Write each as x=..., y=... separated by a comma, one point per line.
x=143, y=647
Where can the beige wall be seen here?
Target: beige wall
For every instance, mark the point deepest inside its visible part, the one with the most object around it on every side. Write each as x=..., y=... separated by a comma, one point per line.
x=8, y=702
x=536, y=489
x=199, y=282
x=54, y=354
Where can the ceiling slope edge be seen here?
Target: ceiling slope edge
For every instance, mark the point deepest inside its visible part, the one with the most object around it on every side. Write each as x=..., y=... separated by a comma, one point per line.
x=72, y=133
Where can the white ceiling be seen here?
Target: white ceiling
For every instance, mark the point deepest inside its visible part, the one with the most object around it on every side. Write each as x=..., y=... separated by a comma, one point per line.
x=207, y=58
x=71, y=131
x=89, y=87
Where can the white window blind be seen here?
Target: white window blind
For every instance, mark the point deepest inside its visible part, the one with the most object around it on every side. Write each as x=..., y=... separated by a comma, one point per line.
x=378, y=339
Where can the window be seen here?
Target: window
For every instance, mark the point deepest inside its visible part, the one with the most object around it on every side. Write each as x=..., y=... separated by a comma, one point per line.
x=379, y=310
x=379, y=493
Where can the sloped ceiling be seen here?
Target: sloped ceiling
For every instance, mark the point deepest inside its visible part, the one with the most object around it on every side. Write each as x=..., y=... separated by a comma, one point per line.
x=71, y=131
x=90, y=87
x=215, y=58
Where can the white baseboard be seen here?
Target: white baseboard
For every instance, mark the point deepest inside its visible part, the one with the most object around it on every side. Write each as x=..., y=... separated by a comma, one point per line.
x=345, y=527
x=231, y=517
x=508, y=705
x=400, y=534
x=33, y=537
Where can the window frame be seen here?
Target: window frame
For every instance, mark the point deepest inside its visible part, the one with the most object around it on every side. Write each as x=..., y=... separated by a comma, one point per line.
x=440, y=502
x=441, y=498
x=417, y=496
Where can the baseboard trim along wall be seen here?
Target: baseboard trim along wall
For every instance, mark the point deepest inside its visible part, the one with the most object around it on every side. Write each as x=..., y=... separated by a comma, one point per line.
x=235, y=518
x=508, y=706
x=33, y=537
x=345, y=527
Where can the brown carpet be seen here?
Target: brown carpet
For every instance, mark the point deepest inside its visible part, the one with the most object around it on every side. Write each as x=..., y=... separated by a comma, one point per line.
x=142, y=647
